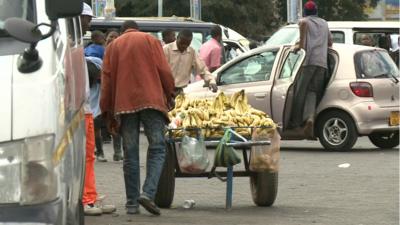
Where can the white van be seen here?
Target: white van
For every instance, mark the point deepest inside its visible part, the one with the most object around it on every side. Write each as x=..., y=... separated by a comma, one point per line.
x=42, y=132
x=384, y=33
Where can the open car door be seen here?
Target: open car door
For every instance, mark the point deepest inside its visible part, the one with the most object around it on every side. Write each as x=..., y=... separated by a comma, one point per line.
x=282, y=89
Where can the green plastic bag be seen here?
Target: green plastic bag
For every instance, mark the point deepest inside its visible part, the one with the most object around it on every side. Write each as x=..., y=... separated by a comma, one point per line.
x=226, y=156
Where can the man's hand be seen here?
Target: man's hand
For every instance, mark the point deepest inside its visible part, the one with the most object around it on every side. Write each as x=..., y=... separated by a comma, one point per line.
x=111, y=123
x=213, y=87
x=295, y=48
x=171, y=104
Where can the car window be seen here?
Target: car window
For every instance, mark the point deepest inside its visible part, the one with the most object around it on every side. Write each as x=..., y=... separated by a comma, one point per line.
x=377, y=39
x=254, y=68
x=375, y=64
x=292, y=63
x=337, y=36
x=287, y=35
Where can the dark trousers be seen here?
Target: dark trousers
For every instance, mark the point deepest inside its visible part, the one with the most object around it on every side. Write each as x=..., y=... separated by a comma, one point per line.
x=98, y=124
x=310, y=80
x=154, y=123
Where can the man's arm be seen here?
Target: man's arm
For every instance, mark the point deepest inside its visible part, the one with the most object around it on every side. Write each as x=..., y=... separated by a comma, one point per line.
x=201, y=69
x=303, y=31
x=330, y=41
x=105, y=96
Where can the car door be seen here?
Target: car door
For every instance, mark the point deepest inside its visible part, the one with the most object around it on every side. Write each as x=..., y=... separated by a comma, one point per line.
x=253, y=74
x=281, y=92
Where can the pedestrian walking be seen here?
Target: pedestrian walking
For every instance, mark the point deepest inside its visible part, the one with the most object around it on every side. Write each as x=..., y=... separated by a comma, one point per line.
x=90, y=196
x=183, y=59
x=211, y=51
x=315, y=38
x=137, y=88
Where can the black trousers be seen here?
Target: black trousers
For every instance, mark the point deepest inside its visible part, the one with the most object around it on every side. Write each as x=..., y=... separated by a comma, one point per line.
x=312, y=79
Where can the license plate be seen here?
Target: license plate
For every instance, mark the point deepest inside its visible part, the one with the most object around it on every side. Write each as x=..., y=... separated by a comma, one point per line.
x=394, y=118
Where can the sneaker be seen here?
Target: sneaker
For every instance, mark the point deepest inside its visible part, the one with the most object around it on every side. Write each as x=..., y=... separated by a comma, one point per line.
x=107, y=209
x=149, y=205
x=132, y=210
x=101, y=158
x=118, y=157
x=91, y=210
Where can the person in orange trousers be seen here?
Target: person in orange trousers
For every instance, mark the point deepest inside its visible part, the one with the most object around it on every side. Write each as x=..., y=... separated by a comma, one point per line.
x=89, y=190
x=89, y=198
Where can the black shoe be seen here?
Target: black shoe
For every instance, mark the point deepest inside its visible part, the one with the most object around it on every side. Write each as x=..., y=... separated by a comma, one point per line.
x=118, y=157
x=149, y=205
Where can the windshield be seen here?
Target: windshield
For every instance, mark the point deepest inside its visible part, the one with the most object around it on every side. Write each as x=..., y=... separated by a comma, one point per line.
x=14, y=8
x=375, y=64
x=286, y=35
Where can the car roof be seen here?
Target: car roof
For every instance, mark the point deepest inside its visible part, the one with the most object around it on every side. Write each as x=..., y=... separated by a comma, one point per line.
x=358, y=24
x=153, y=21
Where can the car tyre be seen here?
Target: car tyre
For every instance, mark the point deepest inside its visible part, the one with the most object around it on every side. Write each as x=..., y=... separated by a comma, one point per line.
x=166, y=184
x=385, y=139
x=336, y=131
x=264, y=188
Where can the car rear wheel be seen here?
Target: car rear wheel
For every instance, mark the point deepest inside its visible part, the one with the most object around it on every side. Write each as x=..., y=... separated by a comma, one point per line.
x=166, y=184
x=264, y=188
x=385, y=139
x=336, y=131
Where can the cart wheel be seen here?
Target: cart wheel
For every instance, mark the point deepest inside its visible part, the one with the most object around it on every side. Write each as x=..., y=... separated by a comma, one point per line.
x=166, y=184
x=264, y=188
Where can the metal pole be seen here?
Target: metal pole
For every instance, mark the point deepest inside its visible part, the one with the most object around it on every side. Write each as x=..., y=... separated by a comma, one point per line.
x=160, y=8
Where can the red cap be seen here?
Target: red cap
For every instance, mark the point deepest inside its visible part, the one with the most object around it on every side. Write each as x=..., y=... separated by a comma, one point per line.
x=310, y=5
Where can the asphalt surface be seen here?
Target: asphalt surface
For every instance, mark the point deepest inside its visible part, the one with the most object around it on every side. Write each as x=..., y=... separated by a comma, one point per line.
x=313, y=189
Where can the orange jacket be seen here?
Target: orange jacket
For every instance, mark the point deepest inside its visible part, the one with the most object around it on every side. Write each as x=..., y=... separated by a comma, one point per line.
x=135, y=75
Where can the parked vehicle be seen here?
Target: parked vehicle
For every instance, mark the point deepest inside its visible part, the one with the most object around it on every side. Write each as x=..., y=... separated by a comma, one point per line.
x=155, y=25
x=42, y=131
x=361, y=98
x=385, y=34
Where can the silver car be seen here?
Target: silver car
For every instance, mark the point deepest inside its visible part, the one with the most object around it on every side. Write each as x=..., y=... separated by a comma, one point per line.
x=361, y=97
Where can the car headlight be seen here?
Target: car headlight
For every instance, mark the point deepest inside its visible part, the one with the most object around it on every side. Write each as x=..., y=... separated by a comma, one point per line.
x=27, y=173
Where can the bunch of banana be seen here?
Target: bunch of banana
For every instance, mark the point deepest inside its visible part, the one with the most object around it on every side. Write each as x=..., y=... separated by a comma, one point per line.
x=239, y=102
x=214, y=115
x=219, y=103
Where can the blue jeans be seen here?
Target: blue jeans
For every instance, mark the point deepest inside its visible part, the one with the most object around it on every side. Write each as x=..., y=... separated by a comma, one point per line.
x=154, y=126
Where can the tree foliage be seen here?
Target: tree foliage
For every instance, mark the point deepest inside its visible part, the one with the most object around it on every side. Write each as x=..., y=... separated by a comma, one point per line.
x=252, y=18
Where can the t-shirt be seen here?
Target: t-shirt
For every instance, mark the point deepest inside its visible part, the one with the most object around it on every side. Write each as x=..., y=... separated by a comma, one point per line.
x=95, y=50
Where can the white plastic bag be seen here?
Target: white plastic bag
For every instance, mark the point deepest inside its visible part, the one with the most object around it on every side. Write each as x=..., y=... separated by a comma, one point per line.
x=192, y=155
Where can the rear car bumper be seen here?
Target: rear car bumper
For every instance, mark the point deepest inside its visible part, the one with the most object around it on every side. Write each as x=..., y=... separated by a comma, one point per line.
x=371, y=118
x=50, y=213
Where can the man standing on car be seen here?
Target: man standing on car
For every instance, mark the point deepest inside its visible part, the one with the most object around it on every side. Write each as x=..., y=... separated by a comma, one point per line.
x=315, y=38
x=211, y=51
x=183, y=59
x=137, y=88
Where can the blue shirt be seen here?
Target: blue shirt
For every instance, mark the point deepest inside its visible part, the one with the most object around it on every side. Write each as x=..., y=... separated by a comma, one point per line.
x=95, y=50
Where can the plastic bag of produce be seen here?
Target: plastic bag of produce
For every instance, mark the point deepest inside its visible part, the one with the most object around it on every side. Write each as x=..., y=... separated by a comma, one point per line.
x=224, y=155
x=192, y=155
x=265, y=158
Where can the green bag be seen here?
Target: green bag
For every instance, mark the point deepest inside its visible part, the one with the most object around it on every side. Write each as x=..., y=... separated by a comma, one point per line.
x=226, y=156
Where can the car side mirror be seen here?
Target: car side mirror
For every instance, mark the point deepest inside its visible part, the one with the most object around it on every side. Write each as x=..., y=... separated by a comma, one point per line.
x=61, y=9
x=22, y=30
x=27, y=32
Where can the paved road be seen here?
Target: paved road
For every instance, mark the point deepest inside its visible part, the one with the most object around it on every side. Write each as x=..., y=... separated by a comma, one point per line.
x=312, y=190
